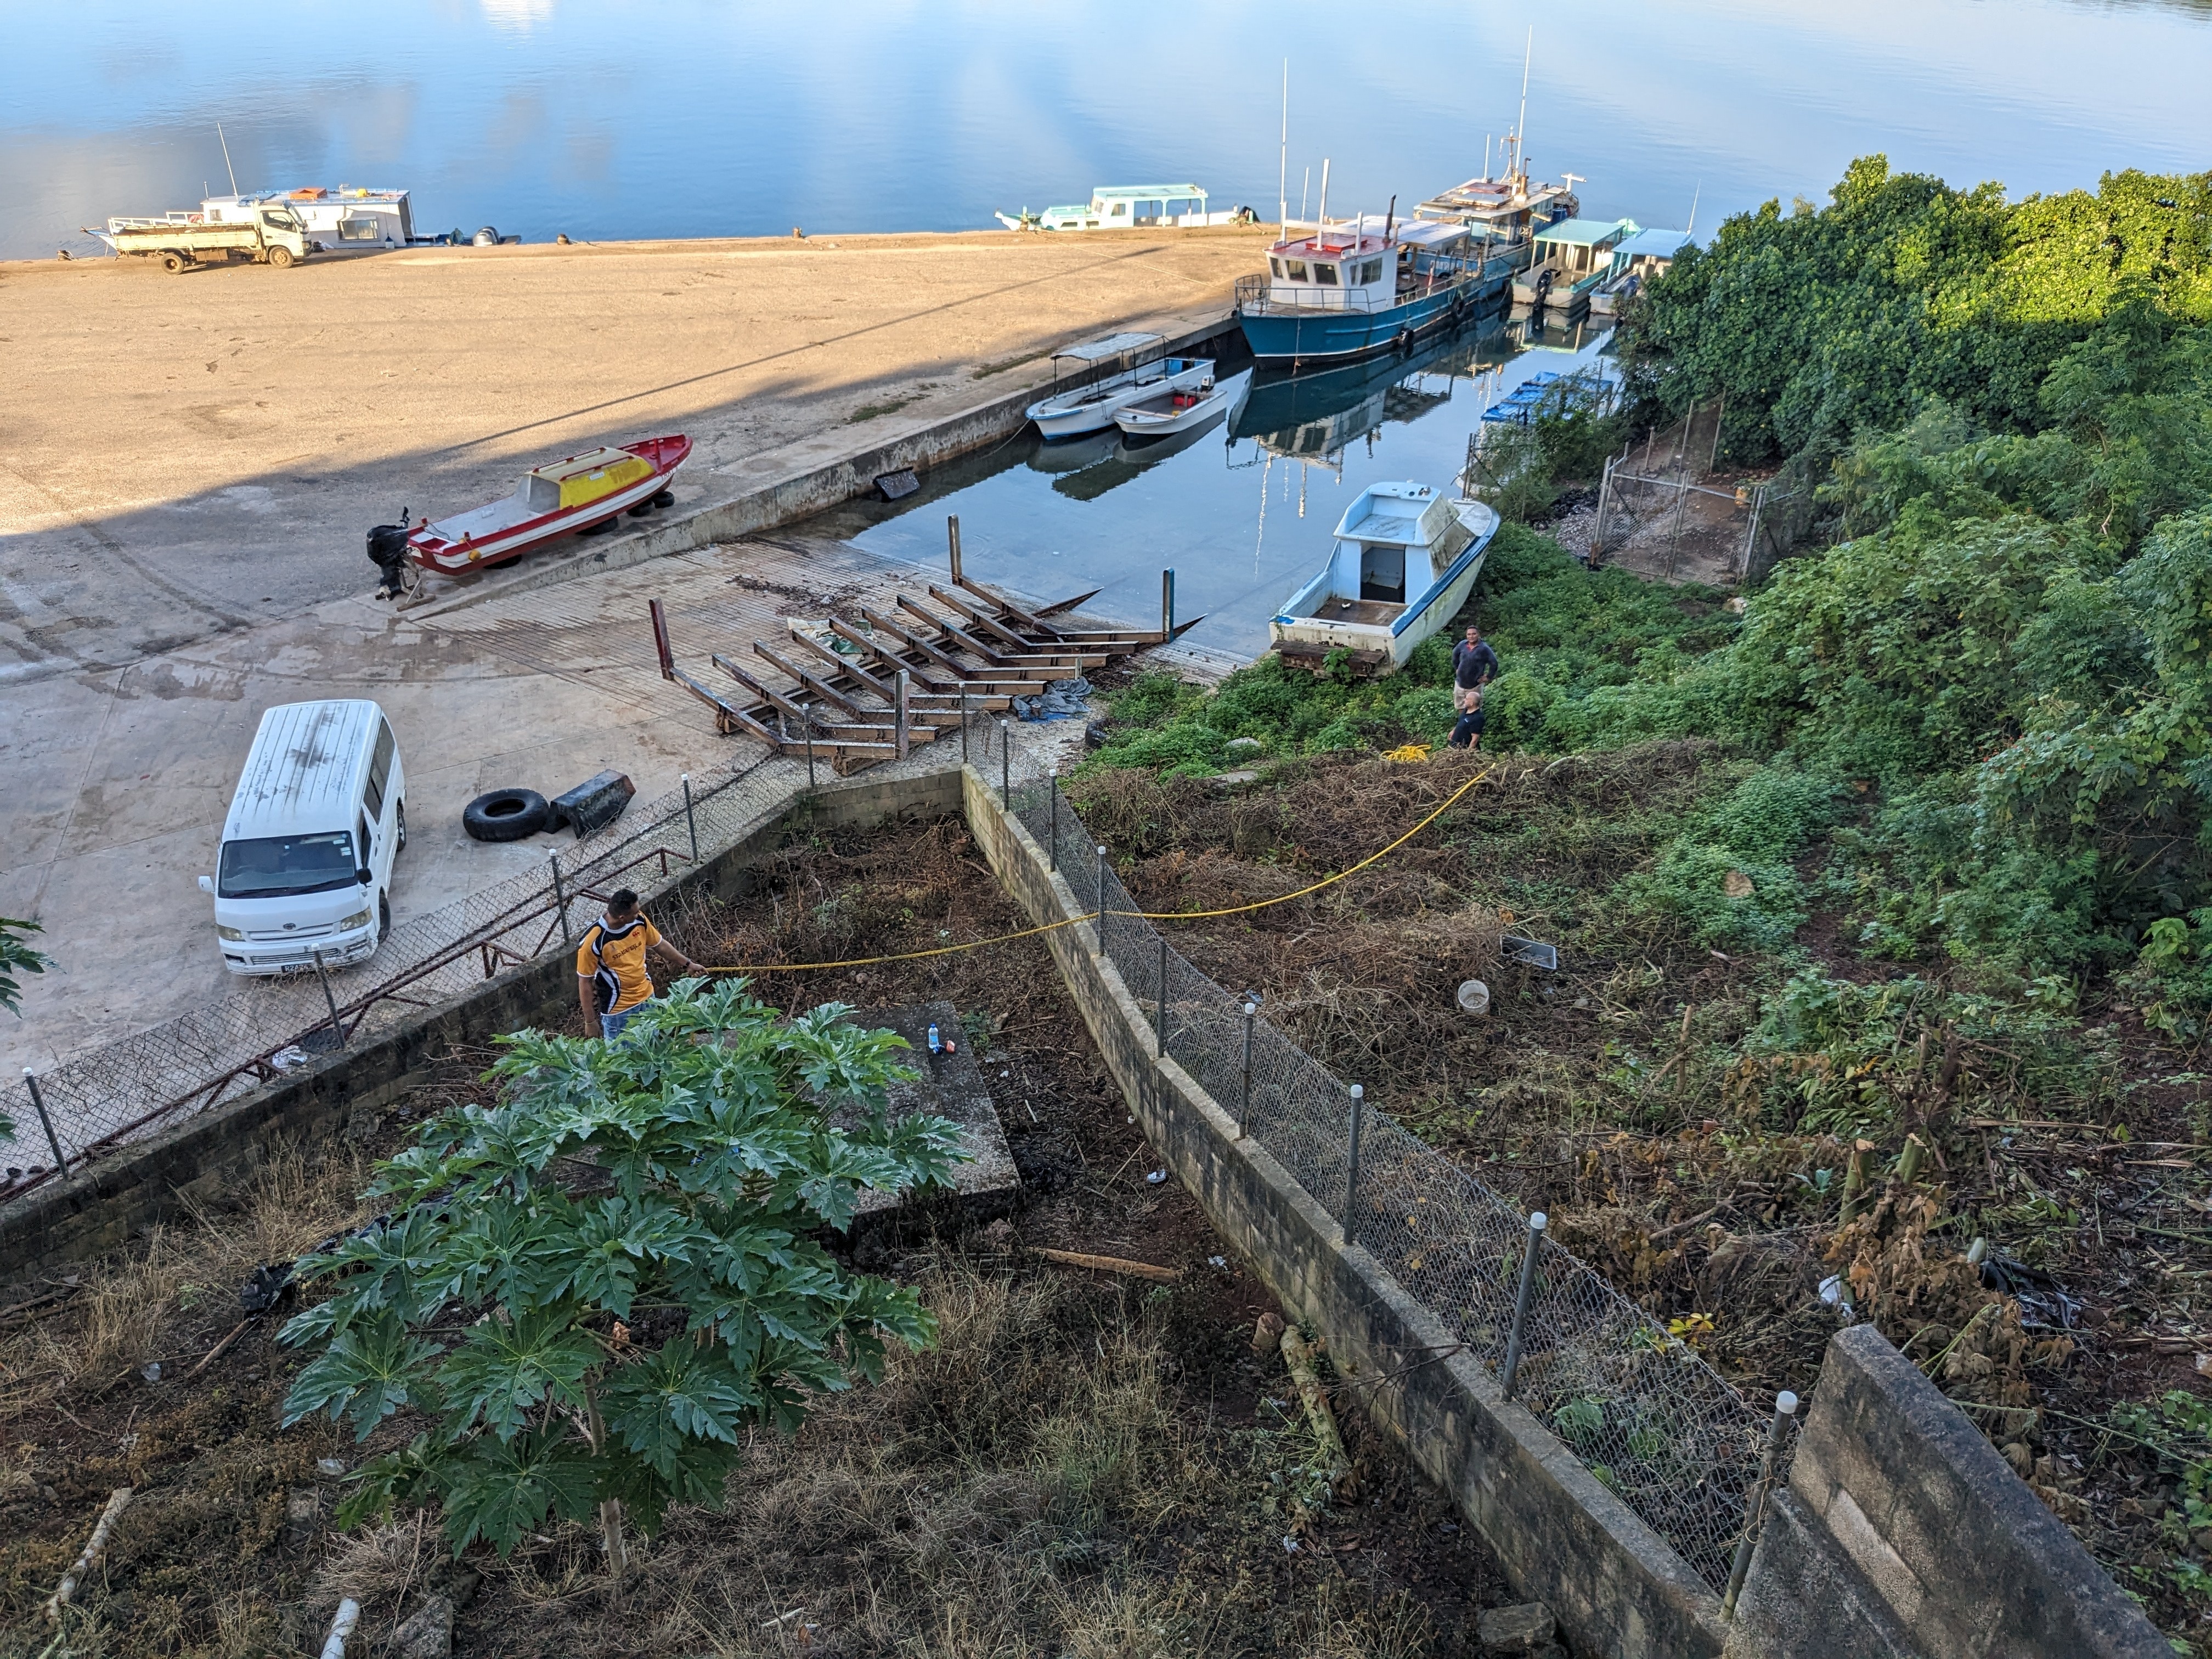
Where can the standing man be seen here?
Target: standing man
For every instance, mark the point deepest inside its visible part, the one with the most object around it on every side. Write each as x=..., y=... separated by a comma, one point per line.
x=612, y=981
x=1475, y=664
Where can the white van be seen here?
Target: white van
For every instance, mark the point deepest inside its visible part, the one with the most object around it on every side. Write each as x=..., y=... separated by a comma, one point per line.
x=308, y=846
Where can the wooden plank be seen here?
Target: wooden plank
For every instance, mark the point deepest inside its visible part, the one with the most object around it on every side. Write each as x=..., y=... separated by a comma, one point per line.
x=1032, y=658
x=1062, y=607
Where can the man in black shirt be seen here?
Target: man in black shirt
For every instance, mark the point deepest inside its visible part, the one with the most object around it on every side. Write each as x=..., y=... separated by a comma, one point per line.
x=1475, y=664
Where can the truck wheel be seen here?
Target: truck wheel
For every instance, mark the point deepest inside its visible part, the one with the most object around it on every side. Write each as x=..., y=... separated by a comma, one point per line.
x=280, y=257
x=173, y=263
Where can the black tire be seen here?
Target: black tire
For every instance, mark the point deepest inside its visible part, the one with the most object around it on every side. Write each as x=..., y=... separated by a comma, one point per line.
x=173, y=263
x=666, y=498
x=383, y=918
x=400, y=845
x=506, y=815
x=640, y=509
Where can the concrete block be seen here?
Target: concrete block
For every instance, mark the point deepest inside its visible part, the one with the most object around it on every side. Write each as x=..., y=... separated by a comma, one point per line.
x=951, y=1086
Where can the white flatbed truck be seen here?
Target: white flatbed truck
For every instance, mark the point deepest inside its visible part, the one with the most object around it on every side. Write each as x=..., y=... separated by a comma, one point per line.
x=274, y=236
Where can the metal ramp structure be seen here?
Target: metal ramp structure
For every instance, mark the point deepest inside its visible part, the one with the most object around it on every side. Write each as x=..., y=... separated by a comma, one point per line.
x=869, y=686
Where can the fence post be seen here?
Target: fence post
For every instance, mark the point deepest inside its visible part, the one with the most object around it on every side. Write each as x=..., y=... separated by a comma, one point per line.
x=1055, y=826
x=1006, y=765
x=900, y=687
x=1101, y=922
x=964, y=721
x=1785, y=1408
x=1244, y=1100
x=690, y=823
x=1536, y=1224
x=560, y=897
x=1160, y=1008
x=1352, y=1163
x=1604, y=493
x=337, y=1025
x=39, y=1105
x=806, y=729
x=1750, y=540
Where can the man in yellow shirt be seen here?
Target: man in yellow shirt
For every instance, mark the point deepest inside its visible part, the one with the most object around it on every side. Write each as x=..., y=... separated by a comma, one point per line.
x=612, y=981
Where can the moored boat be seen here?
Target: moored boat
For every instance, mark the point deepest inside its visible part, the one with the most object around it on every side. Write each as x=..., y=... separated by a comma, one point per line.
x=557, y=499
x=1406, y=558
x=1122, y=207
x=1091, y=408
x=1572, y=259
x=1637, y=262
x=1169, y=410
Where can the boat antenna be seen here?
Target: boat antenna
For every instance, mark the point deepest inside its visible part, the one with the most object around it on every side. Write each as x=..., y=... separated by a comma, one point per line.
x=1305, y=185
x=233, y=171
x=1389, y=220
x=1694, y=195
x=1486, y=157
x=1283, y=176
x=1320, y=213
x=1521, y=127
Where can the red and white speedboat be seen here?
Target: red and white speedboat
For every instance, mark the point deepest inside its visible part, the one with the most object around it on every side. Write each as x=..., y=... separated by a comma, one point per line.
x=558, y=499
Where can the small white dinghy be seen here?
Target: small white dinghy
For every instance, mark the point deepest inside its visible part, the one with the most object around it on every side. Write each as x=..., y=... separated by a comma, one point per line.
x=1092, y=408
x=1169, y=410
x=1407, y=557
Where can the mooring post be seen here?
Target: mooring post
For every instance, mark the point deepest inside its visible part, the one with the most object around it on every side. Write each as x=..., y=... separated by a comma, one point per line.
x=337, y=1025
x=1754, y=1515
x=952, y=540
x=560, y=897
x=1101, y=901
x=1244, y=1100
x=900, y=687
x=39, y=1105
x=1006, y=765
x=1167, y=605
x=1536, y=1224
x=690, y=823
x=1352, y=1163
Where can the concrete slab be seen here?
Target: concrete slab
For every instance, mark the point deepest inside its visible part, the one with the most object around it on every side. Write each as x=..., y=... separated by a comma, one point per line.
x=952, y=1086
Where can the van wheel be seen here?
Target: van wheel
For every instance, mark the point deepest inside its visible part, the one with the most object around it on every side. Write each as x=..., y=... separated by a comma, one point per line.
x=280, y=257
x=506, y=815
x=383, y=918
x=399, y=845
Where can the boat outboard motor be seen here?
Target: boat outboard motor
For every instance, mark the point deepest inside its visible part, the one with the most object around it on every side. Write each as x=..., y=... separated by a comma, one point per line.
x=388, y=550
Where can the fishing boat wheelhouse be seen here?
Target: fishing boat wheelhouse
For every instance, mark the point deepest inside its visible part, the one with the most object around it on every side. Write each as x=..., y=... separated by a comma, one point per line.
x=1339, y=290
x=1574, y=258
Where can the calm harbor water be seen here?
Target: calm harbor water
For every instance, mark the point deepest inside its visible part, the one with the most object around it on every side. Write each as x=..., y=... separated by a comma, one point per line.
x=609, y=119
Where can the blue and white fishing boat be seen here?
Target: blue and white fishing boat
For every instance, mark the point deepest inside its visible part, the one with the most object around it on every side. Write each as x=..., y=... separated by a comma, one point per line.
x=1573, y=259
x=1637, y=263
x=1406, y=556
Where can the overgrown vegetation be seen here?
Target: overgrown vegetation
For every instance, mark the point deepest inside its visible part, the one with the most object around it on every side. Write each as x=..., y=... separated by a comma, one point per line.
x=1909, y=847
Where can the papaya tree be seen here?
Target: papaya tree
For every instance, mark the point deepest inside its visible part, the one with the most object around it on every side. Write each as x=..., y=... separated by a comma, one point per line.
x=583, y=1295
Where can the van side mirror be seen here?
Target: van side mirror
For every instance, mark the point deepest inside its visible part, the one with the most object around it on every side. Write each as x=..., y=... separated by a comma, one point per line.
x=363, y=877
x=207, y=884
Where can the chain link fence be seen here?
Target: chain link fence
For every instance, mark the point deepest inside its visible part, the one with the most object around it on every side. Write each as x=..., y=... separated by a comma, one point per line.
x=1646, y=1416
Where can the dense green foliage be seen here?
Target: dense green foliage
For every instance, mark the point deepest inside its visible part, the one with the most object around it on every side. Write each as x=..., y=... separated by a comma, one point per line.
x=593, y=1288
x=1822, y=326
x=16, y=957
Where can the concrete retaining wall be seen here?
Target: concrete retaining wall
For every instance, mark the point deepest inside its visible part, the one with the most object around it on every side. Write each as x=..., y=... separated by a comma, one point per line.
x=199, y=1160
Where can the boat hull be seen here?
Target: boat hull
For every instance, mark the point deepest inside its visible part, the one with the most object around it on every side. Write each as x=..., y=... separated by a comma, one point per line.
x=1283, y=334
x=1097, y=414
x=447, y=558
x=1138, y=422
x=1380, y=648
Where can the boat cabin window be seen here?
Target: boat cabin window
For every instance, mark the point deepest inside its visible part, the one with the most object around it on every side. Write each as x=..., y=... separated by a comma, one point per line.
x=540, y=494
x=1325, y=275
x=359, y=230
x=1276, y=265
x=1298, y=269
x=1382, y=573
x=1120, y=209
x=1371, y=272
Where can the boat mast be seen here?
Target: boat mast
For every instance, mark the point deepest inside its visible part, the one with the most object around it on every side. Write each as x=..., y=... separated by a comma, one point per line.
x=1692, y=228
x=1283, y=174
x=1321, y=214
x=231, y=170
x=1521, y=128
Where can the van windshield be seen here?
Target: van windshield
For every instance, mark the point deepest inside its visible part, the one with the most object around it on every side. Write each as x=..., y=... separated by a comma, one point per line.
x=278, y=866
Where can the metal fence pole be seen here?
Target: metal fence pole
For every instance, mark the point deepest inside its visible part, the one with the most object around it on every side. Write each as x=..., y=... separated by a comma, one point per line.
x=1352, y=1163
x=1244, y=1100
x=807, y=727
x=1007, y=764
x=690, y=821
x=1101, y=923
x=964, y=722
x=39, y=1105
x=560, y=897
x=1160, y=1008
x=337, y=1025
x=1055, y=790
x=1785, y=1408
x=905, y=697
x=1536, y=1224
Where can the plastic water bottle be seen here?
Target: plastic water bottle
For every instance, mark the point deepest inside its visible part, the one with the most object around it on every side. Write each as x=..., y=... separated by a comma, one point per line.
x=936, y=1043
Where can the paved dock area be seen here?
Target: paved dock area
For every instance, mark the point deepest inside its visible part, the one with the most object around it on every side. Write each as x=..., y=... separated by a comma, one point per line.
x=192, y=461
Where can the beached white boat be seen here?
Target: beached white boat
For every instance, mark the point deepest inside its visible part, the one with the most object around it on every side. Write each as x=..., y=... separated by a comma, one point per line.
x=1406, y=556
x=1091, y=407
x=1167, y=411
x=1122, y=207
